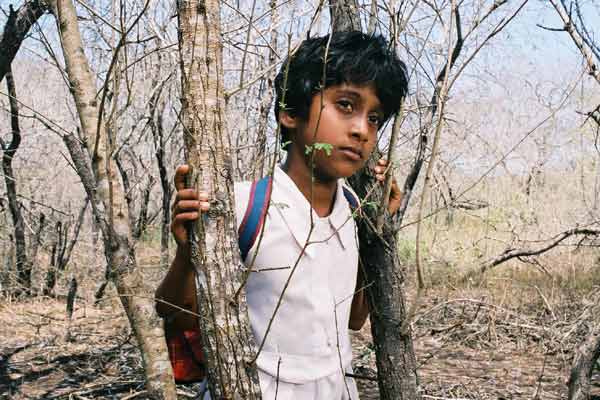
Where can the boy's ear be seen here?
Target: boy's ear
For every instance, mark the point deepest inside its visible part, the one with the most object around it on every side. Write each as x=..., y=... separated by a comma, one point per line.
x=287, y=119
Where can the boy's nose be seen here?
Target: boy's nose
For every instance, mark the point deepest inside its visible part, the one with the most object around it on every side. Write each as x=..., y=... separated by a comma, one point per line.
x=360, y=128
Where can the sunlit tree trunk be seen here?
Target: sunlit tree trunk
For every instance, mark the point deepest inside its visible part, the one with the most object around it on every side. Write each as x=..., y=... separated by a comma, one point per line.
x=92, y=158
x=227, y=339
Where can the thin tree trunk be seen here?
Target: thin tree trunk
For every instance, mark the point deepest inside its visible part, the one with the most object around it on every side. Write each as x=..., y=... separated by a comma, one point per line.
x=157, y=107
x=36, y=241
x=261, y=151
x=52, y=268
x=396, y=363
x=227, y=340
x=23, y=266
x=107, y=200
x=61, y=251
x=584, y=362
x=141, y=223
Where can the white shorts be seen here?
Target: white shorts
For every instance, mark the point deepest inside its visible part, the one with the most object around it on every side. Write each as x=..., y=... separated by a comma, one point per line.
x=332, y=387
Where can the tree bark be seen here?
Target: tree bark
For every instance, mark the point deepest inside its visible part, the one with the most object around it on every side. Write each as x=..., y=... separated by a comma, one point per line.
x=95, y=168
x=344, y=15
x=584, y=363
x=23, y=265
x=395, y=357
x=396, y=363
x=17, y=27
x=227, y=338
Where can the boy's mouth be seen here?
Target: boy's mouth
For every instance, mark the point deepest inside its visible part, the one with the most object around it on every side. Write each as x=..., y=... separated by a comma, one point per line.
x=354, y=153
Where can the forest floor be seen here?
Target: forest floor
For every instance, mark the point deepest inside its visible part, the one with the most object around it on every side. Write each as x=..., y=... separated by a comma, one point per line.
x=468, y=346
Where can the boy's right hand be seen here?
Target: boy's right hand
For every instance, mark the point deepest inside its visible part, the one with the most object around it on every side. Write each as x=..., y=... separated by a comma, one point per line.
x=187, y=207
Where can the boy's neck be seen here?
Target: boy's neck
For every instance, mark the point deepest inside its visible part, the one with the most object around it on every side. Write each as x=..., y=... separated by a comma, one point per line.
x=320, y=193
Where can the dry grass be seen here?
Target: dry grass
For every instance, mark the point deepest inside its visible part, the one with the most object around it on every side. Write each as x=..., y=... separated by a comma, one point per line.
x=505, y=340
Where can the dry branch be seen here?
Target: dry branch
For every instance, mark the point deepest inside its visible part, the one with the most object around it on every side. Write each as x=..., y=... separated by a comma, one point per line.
x=16, y=29
x=511, y=253
x=584, y=47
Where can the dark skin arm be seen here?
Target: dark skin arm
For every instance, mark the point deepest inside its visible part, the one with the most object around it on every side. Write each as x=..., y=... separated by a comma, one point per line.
x=178, y=288
x=360, y=305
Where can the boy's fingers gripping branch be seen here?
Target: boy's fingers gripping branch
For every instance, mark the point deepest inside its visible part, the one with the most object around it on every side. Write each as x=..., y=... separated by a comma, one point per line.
x=395, y=193
x=187, y=206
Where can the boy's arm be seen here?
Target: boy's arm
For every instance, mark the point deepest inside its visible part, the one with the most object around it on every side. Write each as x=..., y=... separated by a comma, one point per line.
x=178, y=288
x=359, y=310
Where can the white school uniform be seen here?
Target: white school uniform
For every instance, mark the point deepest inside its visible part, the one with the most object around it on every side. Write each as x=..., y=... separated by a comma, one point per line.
x=308, y=347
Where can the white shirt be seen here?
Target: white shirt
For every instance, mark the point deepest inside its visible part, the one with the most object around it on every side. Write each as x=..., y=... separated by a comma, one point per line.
x=304, y=342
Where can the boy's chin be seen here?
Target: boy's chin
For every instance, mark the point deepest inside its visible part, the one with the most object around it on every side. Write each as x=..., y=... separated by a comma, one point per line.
x=338, y=173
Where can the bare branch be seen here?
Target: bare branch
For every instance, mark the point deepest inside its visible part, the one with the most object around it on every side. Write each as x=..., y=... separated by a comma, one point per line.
x=16, y=29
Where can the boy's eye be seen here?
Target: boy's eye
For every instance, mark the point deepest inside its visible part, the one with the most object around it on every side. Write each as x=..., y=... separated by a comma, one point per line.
x=375, y=119
x=345, y=106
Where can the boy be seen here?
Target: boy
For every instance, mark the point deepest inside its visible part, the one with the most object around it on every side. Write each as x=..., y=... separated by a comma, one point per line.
x=307, y=349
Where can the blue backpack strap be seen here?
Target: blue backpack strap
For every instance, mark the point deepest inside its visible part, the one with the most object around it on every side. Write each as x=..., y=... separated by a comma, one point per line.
x=256, y=211
x=350, y=198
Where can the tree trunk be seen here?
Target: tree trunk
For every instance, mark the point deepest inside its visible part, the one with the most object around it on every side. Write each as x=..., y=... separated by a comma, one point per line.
x=23, y=266
x=50, y=280
x=584, y=363
x=396, y=363
x=227, y=340
x=61, y=251
x=344, y=15
x=36, y=240
x=95, y=167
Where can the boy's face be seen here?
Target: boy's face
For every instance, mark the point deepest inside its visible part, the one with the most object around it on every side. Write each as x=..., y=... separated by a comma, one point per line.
x=346, y=117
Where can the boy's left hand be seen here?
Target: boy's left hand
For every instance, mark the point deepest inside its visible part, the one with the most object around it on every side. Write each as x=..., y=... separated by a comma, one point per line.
x=395, y=193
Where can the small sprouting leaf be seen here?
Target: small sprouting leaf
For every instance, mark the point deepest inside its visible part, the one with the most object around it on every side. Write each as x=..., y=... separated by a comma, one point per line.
x=326, y=147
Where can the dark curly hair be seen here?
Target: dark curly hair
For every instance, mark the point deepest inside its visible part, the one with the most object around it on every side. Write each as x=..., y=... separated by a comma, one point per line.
x=353, y=58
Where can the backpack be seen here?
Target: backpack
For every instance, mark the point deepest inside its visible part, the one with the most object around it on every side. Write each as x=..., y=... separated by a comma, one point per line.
x=185, y=346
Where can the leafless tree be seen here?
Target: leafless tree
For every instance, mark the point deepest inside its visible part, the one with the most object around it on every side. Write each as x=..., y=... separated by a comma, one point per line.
x=588, y=352
x=23, y=264
x=92, y=156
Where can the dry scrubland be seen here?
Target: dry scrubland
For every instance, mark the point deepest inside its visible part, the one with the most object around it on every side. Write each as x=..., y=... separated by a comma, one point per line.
x=506, y=335
x=517, y=166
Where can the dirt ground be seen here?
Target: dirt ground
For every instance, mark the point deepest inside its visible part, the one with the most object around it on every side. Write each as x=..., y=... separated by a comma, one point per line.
x=466, y=347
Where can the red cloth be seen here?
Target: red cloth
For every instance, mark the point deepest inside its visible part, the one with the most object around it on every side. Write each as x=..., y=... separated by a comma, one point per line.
x=185, y=353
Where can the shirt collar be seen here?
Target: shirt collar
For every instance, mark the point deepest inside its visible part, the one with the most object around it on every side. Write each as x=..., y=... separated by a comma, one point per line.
x=295, y=210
